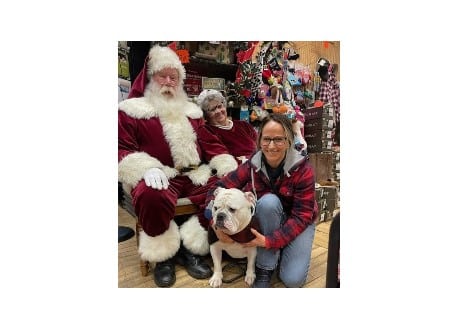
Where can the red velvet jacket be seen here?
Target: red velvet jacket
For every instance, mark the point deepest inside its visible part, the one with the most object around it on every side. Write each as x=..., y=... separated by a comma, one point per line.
x=238, y=141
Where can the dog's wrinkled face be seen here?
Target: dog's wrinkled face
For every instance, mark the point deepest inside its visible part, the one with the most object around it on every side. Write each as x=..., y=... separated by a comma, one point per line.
x=232, y=209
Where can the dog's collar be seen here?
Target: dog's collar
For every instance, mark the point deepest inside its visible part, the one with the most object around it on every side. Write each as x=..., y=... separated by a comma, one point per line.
x=243, y=236
x=246, y=235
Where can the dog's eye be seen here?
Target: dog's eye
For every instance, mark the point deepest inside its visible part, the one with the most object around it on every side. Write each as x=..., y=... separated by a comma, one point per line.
x=215, y=208
x=232, y=210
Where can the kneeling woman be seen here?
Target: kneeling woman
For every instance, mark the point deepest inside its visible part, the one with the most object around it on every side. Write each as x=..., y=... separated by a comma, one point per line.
x=284, y=183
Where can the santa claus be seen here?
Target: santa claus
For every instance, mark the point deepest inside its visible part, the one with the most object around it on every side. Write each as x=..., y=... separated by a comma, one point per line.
x=159, y=161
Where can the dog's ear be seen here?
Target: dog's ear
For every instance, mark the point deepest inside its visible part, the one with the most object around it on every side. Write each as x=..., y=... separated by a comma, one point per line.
x=252, y=199
x=217, y=190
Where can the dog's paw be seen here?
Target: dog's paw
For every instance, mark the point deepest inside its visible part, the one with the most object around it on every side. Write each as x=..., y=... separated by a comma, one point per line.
x=250, y=278
x=216, y=280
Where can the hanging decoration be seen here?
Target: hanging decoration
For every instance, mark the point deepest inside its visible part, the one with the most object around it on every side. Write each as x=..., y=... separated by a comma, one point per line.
x=269, y=79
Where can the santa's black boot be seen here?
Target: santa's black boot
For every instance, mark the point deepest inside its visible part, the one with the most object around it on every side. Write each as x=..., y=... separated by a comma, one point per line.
x=164, y=273
x=194, y=264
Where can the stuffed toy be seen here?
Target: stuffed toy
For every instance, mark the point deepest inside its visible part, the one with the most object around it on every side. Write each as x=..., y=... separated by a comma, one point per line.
x=299, y=141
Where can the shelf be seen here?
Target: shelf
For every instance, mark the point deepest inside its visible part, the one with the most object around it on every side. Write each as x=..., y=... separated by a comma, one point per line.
x=212, y=69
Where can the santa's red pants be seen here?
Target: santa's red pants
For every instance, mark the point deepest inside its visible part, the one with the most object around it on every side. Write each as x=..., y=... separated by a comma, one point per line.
x=155, y=208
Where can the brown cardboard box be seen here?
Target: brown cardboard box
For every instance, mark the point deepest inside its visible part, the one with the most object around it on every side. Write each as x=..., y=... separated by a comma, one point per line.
x=317, y=134
x=331, y=204
x=313, y=135
x=322, y=164
x=325, y=111
x=331, y=192
x=319, y=123
x=320, y=193
x=320, y=216
x=319, y=146
x=312, y=113
x=323, y=216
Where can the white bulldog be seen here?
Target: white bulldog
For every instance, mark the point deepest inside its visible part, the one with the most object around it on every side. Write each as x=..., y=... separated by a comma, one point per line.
x=232, y=213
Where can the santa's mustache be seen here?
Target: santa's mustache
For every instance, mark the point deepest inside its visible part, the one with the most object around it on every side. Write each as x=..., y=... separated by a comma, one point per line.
x=166, y=93
x=164, y=90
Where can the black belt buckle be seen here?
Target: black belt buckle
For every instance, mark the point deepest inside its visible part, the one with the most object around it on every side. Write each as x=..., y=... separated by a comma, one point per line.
x=186, y=169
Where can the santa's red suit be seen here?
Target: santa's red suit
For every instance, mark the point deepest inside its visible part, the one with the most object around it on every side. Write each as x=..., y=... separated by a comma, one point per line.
x=159, y=132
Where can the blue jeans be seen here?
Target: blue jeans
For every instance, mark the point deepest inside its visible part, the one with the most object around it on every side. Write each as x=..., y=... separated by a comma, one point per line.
x=295, y=257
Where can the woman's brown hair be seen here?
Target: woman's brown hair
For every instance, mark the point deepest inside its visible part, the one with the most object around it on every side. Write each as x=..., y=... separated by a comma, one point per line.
x=284, y=121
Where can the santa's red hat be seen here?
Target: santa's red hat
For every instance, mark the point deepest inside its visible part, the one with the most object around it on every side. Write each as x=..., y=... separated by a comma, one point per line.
x=164, y=57
x=158, y=58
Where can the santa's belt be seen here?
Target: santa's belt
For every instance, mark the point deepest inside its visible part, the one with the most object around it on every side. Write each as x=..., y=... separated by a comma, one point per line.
x=187, y=169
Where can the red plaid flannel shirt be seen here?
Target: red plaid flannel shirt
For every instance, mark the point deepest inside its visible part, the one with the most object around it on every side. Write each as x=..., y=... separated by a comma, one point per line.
x=330, y=92
x=296, y=192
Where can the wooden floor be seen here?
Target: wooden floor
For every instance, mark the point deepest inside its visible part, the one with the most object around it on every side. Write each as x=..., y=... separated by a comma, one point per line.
x=129, y=274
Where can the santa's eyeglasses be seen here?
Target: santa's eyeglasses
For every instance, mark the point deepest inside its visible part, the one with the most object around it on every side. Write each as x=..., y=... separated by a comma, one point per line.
x=171, y=78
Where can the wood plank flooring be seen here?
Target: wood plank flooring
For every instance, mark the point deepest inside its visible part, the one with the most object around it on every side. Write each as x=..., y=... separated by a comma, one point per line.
x=129, y=274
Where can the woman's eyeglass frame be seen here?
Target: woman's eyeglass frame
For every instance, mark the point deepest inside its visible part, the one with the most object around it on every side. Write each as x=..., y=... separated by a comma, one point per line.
x=214, y=109
x=278, y=141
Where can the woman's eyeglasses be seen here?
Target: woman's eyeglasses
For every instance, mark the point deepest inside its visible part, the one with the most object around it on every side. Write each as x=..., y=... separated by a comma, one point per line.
x=278, y=141
x=213, y=109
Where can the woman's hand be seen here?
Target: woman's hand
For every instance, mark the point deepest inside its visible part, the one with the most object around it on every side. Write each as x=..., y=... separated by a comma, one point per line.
x=223, y=237
x=242, y=159
x=260, y=240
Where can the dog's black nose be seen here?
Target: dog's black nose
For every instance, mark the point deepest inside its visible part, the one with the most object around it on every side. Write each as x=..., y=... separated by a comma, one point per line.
x=220, y=217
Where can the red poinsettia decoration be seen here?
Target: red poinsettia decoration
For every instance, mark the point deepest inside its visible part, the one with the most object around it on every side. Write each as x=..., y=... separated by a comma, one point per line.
x=246, y=55
x=183, y=55
x=246, y=93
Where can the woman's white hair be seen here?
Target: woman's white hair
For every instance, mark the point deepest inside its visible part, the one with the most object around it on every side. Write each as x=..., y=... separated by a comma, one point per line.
x=207, y=95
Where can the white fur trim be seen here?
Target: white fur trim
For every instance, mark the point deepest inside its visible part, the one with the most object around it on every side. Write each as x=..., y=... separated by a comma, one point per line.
x=139, y=108
x=162, y=247
x=194, y=236
x=193, y=111
x=127, y=188
x=132, y=167
x=143, y=108
x=223, y=163
x=164, y=57
x=200, y=176
x=169, y=172
x=181, y=137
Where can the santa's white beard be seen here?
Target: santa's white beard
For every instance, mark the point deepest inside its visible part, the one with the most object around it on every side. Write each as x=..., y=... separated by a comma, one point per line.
x=168, y=100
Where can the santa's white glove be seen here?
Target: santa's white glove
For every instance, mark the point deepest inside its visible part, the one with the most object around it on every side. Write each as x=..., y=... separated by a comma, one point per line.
x=156, y=178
